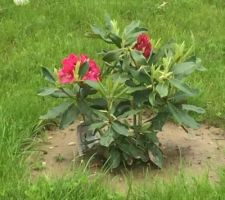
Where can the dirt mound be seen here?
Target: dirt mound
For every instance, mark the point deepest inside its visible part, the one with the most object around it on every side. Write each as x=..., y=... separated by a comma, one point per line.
x=195, y=151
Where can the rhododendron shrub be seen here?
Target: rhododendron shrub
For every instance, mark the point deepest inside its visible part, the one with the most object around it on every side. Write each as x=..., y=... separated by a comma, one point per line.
x=126, y=104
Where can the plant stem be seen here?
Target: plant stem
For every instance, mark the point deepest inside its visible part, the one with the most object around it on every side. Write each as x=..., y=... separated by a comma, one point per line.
x=140, y=119
x=135, y=121
x=134, y=117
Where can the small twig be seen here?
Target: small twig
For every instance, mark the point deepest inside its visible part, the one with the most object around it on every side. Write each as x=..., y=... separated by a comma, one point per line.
x=186, y=130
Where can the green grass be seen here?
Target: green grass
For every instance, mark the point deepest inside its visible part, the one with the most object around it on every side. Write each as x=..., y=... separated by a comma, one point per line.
x=43, y=32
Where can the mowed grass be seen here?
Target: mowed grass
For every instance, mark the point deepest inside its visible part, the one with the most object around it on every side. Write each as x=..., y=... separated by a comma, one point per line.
x=43, y=32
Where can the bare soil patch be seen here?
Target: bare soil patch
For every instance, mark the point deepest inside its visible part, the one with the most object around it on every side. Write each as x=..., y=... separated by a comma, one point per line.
x=194, y=152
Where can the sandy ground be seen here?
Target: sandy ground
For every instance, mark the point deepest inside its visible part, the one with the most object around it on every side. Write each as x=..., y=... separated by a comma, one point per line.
x=194, y=152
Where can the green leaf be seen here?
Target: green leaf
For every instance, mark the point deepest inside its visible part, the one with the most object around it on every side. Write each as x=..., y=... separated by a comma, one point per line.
x=85, y=109
x=182, y=117
x=107, y=138
x=151, y=136
x=151, y=98
x=58, y=93
x=96, y=125
x=162, y=89
x=98, y=103
x=159, y=120
x=122, y=107
x=134, y=89
x=155, y=155
x=140, y=76
x=198, y=63
x=141, y=97
x=138, y=58
x=99, y=33
x=113, y=55
x=47, y=91
x=193, y=108
x=83, y=69
x=115, y=39
x=183, y=87
x=56, y=111
x=48, y=75
x=133, y=151
x=185, y=68
x=92, y=84
x=69, y=116
x=115, y=158
x=131, y=27
x=179, y=97
x=100, y=114
x=128, y=113
x=120, y=128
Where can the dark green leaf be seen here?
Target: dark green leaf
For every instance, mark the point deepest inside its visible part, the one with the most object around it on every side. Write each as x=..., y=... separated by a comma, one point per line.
x=179, y=97
x=129, y=113
x=85, y=109
x=107, y=138
x=162, y=89
x=100, y=114
x=132, y=30
x=183, y=87
x=151, y=136
x=182, y=117
x=115, y=159
x=99, y=33
x=134, y=89
x=92, y=84
x=193, y=108
x=133, y=151
x=122, y=107
x=56, y=111
x=96, y=125
x=159, y=120
x=115, y=39
x=59, y=94
x=140, y=76
x=98, y=103
x=48, y=75
x=47, y=91
x=151, y=98
x=131, y=27
x=141, y=97
x=83, y=69
x=120, y=128
x=138, y=58
x=185, y=68
x=69, y=116
x=155, y=155
x=113, y=55
x=126, y=64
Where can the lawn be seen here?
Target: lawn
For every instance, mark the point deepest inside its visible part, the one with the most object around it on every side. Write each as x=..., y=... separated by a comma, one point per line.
x=43, y=32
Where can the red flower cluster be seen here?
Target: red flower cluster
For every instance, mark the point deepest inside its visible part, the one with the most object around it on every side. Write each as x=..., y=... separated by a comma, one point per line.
x=143, y=44
x=66, y=73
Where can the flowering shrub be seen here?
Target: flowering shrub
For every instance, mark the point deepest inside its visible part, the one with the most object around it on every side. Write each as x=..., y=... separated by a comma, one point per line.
x=142, y=85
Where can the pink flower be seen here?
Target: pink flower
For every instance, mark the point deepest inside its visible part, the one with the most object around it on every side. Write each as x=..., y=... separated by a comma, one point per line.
x=83, y=58
x=93, y=72
x=143, y=44
x=65, y=77
x=66, y=73
x=69, y=63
